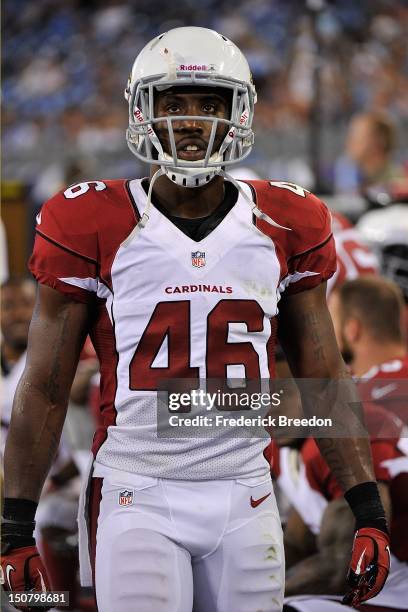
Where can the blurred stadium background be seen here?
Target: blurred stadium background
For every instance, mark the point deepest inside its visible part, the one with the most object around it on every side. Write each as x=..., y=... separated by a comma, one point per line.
x=315, y=65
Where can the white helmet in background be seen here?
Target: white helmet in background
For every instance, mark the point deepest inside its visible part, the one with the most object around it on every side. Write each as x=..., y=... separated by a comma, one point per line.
x=196, y=57
x=386, y=231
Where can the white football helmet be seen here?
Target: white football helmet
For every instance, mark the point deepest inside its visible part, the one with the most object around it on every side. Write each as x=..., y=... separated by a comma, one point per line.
x=386, y=231
x=198, y=57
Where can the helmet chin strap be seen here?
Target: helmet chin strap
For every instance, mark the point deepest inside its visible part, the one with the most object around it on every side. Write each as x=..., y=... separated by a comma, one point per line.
x=163, y=171
x=145, y=216
x=255, y=210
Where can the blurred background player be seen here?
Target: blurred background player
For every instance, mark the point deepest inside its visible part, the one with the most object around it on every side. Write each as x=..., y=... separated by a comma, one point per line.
x=368, y=316
x=354, y=256
x=17, y=304
x=386, y=232
x=319, y=529
x=56, y=516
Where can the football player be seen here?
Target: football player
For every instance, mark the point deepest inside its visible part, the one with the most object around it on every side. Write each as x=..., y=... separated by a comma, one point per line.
x=368, y=316
x=178, y=276
x=17, y=303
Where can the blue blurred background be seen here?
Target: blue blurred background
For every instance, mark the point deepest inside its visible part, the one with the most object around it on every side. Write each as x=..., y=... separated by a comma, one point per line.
x=315, y=64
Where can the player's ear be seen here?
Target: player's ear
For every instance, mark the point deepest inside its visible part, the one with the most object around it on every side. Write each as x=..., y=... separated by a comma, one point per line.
x=352, y=330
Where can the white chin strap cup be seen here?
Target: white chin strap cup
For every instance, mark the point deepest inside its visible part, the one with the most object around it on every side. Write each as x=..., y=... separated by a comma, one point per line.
x=191, y=177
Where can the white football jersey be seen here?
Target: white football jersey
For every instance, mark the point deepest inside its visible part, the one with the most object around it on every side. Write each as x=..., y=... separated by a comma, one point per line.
x=169, y=307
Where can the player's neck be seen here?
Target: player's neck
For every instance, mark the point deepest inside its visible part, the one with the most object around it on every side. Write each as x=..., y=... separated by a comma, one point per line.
x=374, y=354
x=189, y=203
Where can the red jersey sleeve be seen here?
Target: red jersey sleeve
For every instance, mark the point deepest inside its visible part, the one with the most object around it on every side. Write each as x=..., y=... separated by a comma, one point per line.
x=77, y=234
x=313, y=256
x=65, y=255
x=306, y=248
x=62, y=270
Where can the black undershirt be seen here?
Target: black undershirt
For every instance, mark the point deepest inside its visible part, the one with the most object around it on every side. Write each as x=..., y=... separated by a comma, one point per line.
x=199, y=228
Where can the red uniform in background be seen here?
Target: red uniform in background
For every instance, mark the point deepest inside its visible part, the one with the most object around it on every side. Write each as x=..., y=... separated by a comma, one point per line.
x=387, y=384
x=307, y=481
x=354, y=258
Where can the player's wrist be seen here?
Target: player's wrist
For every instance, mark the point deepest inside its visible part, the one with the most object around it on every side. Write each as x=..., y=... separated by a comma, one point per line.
x=365, y=502
x=17, y=523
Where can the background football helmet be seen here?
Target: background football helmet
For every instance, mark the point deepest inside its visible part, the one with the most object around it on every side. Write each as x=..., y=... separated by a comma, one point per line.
x=386, y=231
x=198, y=57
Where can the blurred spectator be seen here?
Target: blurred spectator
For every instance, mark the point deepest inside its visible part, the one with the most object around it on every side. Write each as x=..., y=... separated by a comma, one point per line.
x=370, y=147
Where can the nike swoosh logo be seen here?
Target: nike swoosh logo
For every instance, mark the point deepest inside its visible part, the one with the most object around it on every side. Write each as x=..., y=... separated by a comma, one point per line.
x=379, y=392
x=9, y=569
x=358, y=568
x=38, y=218
x=256, y=502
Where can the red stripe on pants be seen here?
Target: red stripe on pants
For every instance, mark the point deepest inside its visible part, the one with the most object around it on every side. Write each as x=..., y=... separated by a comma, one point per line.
x=95, y=496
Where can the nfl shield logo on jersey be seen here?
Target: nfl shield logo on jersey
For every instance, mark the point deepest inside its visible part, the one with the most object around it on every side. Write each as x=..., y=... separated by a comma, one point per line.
x=198, y=259
x=125, y=498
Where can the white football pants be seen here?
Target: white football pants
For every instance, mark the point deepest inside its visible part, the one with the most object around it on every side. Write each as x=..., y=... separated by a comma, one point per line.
x=212, y=544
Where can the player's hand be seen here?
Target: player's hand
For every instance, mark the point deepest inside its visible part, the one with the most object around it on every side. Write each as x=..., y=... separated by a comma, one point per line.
x=369, y=566
x=23, y=570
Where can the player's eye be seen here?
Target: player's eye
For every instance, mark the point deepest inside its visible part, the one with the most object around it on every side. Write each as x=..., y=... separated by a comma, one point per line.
x=209, y=107
x=172, y=108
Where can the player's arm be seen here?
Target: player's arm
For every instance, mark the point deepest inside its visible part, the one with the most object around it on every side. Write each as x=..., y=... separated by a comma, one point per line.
x=324, y=573
x=298, y=539
x=307, y=337
x=57, y=333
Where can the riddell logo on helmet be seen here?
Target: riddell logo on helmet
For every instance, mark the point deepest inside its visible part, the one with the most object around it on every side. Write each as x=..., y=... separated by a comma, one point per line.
x=191, y=67
x=138, y=115
x=244, y=118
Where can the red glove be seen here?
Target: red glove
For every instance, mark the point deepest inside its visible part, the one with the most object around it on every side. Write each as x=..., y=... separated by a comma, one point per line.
x=22, y=570
x=369, y=566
